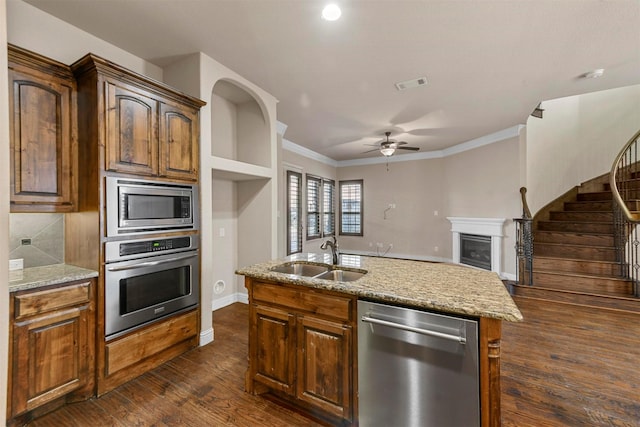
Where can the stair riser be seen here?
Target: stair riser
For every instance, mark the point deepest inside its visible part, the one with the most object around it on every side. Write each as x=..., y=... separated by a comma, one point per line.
x=582, y=216
x=574, y=252
x=588, y=206
x=617, y=302
x=594, y=227
x=633, y=184
x=582, y=284
x=574, y=238
x=601, y=196
x=576, y=266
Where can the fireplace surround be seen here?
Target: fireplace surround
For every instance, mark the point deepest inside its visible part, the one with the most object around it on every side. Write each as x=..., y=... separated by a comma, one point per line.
x=487, y=227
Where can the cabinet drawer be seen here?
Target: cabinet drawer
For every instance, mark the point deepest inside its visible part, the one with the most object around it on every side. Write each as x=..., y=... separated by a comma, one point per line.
x=32, y=303
x=305, y=299
x=147, y=342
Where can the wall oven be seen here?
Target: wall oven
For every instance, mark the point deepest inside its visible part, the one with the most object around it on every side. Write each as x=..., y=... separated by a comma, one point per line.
x=148, y=279
x=142, y=206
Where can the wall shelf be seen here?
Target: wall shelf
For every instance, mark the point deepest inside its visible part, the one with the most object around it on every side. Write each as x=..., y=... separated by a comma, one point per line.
x=233, y=170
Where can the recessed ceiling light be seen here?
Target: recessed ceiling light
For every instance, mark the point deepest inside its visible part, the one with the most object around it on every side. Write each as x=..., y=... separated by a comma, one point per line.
x=331, y=12
x=594, y=74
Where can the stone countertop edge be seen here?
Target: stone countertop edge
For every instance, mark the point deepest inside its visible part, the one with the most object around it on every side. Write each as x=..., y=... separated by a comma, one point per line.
x=38, y=277
x=443, y=287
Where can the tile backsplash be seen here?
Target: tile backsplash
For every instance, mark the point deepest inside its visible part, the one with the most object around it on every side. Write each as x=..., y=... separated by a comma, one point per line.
x=45, y=231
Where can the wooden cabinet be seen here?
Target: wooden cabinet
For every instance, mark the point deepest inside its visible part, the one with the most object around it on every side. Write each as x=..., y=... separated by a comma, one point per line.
x=145, y=127
x=301, y=347
x=52, y=339
x=43, y=127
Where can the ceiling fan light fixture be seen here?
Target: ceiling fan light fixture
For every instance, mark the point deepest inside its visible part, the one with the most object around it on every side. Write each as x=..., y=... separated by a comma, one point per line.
x=387, y=151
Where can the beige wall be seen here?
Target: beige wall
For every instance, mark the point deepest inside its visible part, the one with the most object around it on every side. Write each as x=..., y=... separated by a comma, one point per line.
x=485, y=183
x=412, y=229
x=578, y=139
x=4, y=215
x=33, y=29
x=482, y=183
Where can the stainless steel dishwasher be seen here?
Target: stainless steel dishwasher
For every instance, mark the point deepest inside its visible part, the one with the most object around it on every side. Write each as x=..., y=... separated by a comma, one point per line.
x=416, y=368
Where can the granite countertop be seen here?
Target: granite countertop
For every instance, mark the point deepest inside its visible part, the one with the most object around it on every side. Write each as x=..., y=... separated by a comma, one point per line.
x=436, y=286
x=36, y=277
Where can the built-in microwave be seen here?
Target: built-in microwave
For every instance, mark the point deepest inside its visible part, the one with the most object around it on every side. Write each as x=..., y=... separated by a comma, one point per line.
x=136, y=206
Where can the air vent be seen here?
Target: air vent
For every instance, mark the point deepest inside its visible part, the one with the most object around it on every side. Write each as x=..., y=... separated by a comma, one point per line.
x=409, y=84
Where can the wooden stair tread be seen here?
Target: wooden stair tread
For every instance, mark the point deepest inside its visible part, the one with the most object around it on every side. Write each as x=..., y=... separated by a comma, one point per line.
x=579, y=275
x=613, y=302
x=573, y=259
x=572, y=245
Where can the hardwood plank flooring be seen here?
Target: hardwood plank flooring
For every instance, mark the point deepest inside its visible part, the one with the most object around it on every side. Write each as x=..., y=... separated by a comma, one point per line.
x=565, y=365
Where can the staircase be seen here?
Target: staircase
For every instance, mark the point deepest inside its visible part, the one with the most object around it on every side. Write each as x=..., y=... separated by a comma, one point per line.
x=574, y=254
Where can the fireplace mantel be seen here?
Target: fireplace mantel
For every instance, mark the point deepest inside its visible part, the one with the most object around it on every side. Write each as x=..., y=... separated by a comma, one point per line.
x=482, y=227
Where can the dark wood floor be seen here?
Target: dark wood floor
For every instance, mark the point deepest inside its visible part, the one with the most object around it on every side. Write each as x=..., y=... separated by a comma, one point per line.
x=564, y=366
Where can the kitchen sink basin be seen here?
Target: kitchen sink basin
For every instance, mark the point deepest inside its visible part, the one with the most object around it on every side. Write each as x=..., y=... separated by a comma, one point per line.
x=300, y=269
x=341, y=275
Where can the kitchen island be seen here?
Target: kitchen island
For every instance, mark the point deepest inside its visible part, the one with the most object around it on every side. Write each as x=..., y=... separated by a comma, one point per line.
x=303, y=329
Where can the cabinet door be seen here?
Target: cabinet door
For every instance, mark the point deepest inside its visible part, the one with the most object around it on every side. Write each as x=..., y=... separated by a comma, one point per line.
x=131, y=134
x=179, y=130
x=324, y=369
x=48, y=358
x=42, y=141
x=273, y=348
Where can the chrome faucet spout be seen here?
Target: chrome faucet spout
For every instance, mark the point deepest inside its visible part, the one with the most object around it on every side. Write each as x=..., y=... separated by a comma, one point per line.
x=334, y=248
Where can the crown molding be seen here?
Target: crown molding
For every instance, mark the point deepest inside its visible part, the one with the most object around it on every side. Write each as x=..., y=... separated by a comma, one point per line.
x=501, y=135
x=303, y=151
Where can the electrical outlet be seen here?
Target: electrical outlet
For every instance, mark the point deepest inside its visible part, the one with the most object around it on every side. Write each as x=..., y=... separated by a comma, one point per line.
x=435, y=213
x=379, y=245
x=221, y=232
x=435, y=248
x=392, y=205
x=16, y=264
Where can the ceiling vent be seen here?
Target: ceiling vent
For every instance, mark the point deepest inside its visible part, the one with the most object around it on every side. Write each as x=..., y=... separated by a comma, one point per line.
x=410, y=84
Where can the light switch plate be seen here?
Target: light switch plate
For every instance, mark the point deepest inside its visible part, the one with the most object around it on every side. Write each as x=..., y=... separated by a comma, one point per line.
x=16, y=264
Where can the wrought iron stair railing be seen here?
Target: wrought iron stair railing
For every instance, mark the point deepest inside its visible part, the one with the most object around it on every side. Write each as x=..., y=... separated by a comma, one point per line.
x=524, y=242
x=625, y=189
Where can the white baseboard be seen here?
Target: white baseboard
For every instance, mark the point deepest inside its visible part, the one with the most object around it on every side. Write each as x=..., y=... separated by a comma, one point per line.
x=219, y=303
x=206, y=337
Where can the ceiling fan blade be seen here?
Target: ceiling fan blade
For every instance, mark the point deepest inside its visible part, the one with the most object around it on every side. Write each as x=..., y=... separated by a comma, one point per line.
x=400, y=142
x=372, y=145
x=371, y=151
x=409, y=148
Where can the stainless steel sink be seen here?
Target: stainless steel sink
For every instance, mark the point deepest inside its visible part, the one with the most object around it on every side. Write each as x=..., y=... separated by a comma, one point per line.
x=341, y=275
x=300, y=269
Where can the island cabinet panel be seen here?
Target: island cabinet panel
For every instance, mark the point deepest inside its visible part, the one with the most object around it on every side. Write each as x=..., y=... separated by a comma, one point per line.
x=301, y=348
x=324, y=368
x=43, y=128
x=51, y=346
x=131, y=130
x=275, y=348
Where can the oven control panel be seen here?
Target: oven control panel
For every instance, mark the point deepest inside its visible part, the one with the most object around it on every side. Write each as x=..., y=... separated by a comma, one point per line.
x=154, y=246
x=133, y=249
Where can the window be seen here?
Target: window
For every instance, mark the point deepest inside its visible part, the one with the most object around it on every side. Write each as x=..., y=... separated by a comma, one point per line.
x=351, y=208
x=320, y=207
x=294, y=212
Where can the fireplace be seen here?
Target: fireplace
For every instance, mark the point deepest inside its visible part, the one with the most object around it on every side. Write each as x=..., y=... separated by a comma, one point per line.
x=475, y=250
x=483, y=242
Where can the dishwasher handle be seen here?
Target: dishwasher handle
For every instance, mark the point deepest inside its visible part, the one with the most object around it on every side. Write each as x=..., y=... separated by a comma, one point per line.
x=460, y=339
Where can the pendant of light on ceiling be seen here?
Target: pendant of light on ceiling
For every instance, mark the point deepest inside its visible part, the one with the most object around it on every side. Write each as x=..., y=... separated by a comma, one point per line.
x=331, y=12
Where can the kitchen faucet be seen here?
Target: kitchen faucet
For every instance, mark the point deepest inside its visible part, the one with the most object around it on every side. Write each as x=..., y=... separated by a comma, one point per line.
x=334, y=248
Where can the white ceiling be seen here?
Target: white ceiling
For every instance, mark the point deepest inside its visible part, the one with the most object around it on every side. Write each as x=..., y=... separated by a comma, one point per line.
x=488, y=62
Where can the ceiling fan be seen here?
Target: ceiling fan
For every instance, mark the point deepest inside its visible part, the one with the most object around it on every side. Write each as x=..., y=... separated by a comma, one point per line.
x=388, y=146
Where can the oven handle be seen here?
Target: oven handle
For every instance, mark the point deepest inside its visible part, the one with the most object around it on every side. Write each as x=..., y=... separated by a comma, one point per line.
x=151, y=263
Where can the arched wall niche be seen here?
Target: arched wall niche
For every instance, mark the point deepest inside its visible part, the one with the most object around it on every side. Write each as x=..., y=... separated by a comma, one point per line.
x=240, y=125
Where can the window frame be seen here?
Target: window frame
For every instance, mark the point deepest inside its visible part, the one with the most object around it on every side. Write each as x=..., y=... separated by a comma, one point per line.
x=360, y=213
x=320, y=214
x=289, y=174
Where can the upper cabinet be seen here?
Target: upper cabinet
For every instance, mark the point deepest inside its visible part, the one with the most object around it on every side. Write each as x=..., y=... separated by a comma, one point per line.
x=43, y=128
x=145, y=127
